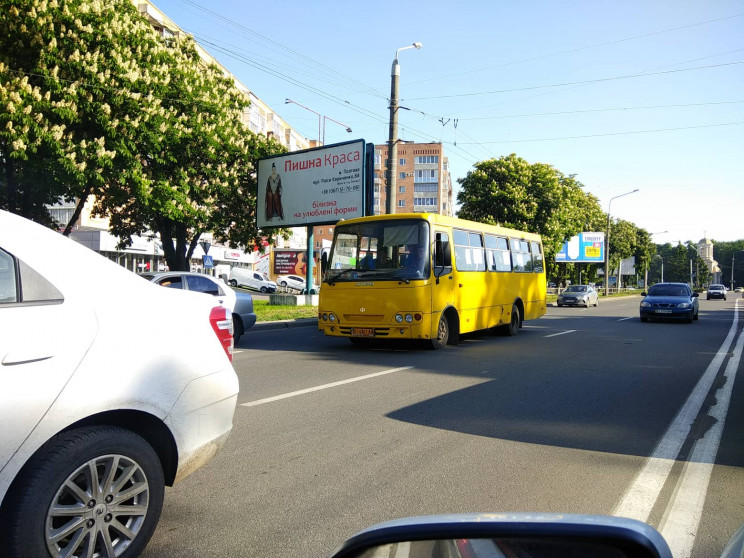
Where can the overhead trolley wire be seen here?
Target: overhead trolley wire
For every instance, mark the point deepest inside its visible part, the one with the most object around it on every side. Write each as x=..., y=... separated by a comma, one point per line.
x=579, y=49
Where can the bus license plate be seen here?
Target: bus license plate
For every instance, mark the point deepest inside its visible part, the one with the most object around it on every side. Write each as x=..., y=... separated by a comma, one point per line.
x=363, y=332
x=663, y=311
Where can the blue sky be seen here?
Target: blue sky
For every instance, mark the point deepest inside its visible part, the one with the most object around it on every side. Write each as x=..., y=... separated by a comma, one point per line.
x=554, y=82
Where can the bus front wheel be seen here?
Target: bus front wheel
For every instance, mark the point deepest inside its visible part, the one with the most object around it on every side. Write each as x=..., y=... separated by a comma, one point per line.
x=443, y=333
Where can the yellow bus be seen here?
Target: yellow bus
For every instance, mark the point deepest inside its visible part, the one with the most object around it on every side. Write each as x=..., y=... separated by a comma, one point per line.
x=423, y=276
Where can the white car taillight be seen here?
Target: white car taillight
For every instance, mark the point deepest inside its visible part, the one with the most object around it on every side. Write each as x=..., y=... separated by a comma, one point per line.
x=222, y=324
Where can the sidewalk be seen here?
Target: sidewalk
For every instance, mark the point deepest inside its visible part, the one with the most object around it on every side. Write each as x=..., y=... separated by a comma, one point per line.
x=284, y=324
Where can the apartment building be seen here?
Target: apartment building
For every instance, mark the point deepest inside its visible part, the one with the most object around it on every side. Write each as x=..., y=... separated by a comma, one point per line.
x=423, y=184
x=259, y=117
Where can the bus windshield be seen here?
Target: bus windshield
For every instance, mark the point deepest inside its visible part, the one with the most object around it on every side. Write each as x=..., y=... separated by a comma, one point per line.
x=393, y=250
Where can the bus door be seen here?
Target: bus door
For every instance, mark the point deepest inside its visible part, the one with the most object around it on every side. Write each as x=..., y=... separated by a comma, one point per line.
x=443, y=287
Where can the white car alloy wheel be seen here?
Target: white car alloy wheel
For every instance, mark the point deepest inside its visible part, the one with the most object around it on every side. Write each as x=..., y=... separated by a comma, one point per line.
x=95, y=492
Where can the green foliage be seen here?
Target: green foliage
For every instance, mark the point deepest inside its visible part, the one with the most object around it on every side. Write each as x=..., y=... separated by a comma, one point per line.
x=726, y=253
x=96, y=105
x=677, y=261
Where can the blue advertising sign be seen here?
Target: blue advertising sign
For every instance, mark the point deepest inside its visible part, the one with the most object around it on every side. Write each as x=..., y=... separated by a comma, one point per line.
x=208, y=262
x=587, y=247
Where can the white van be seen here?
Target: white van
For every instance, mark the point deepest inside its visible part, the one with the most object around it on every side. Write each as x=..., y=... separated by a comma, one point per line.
x=242, y=277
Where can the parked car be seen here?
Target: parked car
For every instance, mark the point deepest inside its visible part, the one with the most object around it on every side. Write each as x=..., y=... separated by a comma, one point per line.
x=239, y=304
x=669, y=300
x=576, y=295
x=133, y=390
x=294, y=282
x=242, y=277
x=739, y=290
x=716, y=291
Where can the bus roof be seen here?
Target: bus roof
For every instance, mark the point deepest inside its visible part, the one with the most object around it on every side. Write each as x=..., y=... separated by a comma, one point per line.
x=438, y=219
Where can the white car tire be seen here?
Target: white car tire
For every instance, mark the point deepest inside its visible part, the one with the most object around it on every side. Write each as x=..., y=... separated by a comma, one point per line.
x=115, y=468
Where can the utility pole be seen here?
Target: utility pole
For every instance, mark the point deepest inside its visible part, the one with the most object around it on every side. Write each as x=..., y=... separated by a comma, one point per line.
x=392, y=164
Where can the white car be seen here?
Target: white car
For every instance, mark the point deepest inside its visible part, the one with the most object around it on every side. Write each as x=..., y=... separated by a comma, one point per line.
x=243, y=277
x=111, y=387
x=293, y=282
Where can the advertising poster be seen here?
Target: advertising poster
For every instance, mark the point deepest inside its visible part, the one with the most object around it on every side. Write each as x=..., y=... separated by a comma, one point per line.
x=311, y=187
x=262, y=266
x=586, y=247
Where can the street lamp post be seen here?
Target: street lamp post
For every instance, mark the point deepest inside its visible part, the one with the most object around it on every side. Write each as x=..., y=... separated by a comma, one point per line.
x=645, y=278
x=607, y=241
x=662, y=267
x=392, y=167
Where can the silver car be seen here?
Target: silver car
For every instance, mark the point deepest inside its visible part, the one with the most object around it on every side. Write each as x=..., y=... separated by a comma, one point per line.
x=579, y=295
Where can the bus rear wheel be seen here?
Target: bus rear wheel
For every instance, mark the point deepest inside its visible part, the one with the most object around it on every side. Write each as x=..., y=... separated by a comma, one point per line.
x=443, y=333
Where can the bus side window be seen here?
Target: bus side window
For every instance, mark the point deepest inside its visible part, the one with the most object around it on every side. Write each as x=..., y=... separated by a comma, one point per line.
x=442, y=255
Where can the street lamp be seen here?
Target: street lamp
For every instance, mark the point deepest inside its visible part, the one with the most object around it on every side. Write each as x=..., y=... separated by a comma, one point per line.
x=732, y=267
x=348, y=130
x=645, y=278
x=321, y=138
x=392, y=170
x=662, y=267
x=290, y=101
x=607, y=241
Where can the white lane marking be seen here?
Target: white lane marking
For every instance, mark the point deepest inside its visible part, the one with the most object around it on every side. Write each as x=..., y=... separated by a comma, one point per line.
x=561, y=333
x=682, y=517
x=623, y=319
x=641, y=496
x=324, y=386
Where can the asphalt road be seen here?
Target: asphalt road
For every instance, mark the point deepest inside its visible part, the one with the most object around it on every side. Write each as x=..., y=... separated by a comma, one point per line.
x=562, y=418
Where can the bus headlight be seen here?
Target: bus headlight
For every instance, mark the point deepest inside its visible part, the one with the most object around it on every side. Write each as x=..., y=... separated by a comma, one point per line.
x=325, y=316
x=409, y=318
x=332, y=317
x=399, y=318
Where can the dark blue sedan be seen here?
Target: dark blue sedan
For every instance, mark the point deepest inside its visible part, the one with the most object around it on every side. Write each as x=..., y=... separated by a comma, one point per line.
x=670, y=300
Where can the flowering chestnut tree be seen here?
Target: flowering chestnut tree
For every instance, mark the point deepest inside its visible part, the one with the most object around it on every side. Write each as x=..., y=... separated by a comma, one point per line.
x=95, y=106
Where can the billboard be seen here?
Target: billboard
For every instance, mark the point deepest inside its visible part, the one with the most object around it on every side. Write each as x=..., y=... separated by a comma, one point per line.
x=586, y=247
x=290, y=262
x=311, y=187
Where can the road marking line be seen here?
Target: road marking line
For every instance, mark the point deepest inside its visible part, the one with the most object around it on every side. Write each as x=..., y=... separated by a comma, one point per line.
x=641, y=496
x=561, y=333
x=682, y=517
x=623, y=319
x=324, y=386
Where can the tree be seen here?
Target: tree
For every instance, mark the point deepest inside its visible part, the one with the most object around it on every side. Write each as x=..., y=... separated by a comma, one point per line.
x=623, y=238
x=677, y=269
x=538, y=198
x=725, y=253
x=105, y=109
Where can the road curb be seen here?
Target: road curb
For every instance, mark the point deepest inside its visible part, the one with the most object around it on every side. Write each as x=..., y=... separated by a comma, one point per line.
x=284, y=324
